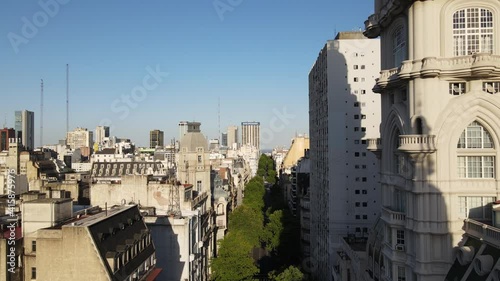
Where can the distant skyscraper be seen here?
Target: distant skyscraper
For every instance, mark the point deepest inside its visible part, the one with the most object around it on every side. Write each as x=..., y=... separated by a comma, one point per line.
x=101, y=132
x=5, y=135
x=155, y=138
x=250, y=134
x=224, y=139
x=25, y=127
x=232, y=135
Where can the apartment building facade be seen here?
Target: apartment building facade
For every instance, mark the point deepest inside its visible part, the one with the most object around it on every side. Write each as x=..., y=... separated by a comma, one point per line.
x=344, y=113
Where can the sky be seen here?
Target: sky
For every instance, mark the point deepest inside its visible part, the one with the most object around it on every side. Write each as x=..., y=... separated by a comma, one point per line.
x=142, y=65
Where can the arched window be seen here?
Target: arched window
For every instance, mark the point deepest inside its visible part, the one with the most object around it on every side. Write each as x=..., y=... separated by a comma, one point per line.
x=398, y=46
x=472, y=31
x=476, y=153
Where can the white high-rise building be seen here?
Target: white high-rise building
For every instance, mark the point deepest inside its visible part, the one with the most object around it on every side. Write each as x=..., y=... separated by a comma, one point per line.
x=440, y=131
x=344, y=113
x=25, y=128
x=250, y=134
x=232, y=137
x=101, y=132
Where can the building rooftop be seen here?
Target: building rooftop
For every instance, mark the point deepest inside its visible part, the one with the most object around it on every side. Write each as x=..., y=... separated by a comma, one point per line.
x=88, y=220
x=49, y=200
x=350, y=35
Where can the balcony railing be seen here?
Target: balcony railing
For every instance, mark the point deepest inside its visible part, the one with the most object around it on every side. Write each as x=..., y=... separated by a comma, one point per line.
x=480, y=64
x=375, y=144
x=482, y=231
x=393, y=217
x=417, y=143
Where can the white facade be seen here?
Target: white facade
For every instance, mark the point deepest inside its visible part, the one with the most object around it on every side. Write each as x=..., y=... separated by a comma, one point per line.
x=440, y=130
x=344, y=113
x=101, y=132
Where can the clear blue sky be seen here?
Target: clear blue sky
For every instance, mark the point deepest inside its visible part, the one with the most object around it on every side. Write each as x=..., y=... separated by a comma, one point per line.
x=254, y=55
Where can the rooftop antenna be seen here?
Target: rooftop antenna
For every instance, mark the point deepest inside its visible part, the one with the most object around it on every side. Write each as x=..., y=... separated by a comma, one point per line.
x=67, y=97
x=41, y=113
x=218, y=121
x=5, y=122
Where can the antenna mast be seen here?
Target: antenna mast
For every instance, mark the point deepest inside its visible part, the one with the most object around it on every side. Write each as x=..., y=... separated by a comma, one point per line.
x=67, y=98
x=218, y=116
x=41, y=113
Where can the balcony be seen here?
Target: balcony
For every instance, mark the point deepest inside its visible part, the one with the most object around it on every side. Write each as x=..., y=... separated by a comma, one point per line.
x=481, y=65
x=482, y=231
x=372, y=28
x=392, y=217
x=375, y=146
x=417, y=143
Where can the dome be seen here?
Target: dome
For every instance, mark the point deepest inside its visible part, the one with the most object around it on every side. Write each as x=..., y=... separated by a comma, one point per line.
x=193, y=140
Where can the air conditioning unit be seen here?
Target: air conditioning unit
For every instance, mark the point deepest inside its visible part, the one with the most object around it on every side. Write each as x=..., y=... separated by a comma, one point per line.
x=400, y=247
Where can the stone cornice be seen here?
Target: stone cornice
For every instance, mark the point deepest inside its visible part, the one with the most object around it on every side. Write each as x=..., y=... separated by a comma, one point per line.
x=479, y=65
x=384, y=16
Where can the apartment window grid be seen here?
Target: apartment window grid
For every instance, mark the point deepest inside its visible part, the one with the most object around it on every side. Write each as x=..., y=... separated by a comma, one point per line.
x=491, y=87
x=457, y=89
x=476, y=207
x=33, y=273
x=472, y=31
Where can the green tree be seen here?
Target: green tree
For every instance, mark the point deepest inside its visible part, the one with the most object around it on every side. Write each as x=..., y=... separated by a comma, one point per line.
x=292, y=273
x=273, y=231
x=234, y=262
x=248, y=223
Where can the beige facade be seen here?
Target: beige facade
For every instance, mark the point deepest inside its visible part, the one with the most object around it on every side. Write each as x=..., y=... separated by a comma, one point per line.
x=80, y=137
x=250, y=134
x=296, y=151
x=440, y=130
x=113, y=244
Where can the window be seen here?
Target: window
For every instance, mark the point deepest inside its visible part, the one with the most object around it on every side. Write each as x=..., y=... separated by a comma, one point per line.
x=479, y=208
x=356, y=141
x=365, y=191
x=198, y=186
x=356, y=129
x=482, y=163
x=472, y=31
x=363, y=129
x=363, y=66
x=356, y=191
x=355, y=66
x=400, y=237
x=491, y=87
x=358, y=217
x=356, y=104
x=33, y=273
x=457, y=89
x=398, y=46
x=363, y=141
x=401, y=273
x=358, y=204
x=356, y=154
x=199, y=158
x=356, y=116
x=365, y=204
x=365, y=217
x=363, y=92
x=33, y=246
x=363, y=179
x=356, y=79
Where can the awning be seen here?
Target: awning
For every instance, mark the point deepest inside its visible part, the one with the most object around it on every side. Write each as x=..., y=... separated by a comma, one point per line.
x=154, y=273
